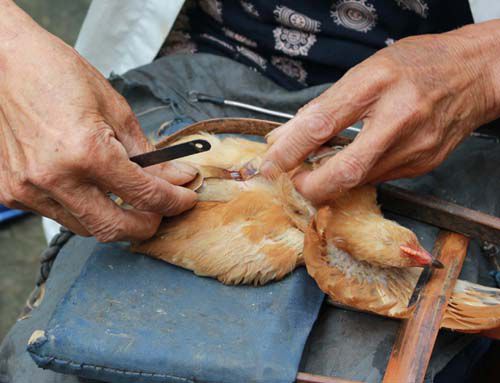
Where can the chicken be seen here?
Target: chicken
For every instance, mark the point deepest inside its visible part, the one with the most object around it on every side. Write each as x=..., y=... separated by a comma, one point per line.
x=362, y=260
x=242, y=231
x=246, y=229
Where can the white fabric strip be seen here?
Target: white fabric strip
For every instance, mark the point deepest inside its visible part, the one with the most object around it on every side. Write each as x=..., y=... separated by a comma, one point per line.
x=118, y=35
x=483, y=10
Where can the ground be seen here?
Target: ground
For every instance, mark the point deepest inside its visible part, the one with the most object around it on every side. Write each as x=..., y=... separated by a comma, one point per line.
x=22, y=240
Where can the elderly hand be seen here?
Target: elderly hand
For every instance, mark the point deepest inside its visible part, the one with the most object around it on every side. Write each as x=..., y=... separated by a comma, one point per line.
x=418, y=99
x=65, y=140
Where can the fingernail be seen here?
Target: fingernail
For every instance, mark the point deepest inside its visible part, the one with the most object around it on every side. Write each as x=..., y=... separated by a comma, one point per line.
x=270, y=170
x=270, y=138
x=185, y=168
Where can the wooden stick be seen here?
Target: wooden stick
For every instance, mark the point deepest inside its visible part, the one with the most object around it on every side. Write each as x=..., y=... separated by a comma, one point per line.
x=438, y=212
x=413, y=348
x=303, y=377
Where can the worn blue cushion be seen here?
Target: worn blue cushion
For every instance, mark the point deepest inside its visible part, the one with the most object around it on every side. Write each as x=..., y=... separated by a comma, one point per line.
x=129, y=318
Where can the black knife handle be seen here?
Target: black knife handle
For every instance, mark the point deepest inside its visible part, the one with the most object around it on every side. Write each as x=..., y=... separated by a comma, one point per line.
x=171, y=153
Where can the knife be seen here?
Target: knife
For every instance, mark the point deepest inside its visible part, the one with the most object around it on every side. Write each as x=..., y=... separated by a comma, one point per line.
x=171, y=153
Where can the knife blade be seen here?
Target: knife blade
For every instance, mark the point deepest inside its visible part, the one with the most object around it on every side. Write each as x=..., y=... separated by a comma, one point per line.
x=171, y=153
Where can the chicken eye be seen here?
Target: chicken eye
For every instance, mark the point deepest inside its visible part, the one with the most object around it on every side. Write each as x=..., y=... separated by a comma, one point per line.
x=387, y=241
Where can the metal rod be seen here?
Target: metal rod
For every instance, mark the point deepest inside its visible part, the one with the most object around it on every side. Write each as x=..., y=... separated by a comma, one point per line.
x=200, y=97
x=270, y=112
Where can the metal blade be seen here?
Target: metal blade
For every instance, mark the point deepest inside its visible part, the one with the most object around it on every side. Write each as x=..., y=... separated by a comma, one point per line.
x=171, y=153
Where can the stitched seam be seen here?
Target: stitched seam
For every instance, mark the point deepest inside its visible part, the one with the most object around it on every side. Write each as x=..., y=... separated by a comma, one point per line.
x=82, y=366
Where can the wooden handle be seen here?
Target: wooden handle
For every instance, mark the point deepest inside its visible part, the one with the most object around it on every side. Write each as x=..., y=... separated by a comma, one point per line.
x=413, y=348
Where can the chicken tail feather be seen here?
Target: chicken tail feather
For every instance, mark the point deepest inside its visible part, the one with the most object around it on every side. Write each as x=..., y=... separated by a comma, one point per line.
x=472, y=308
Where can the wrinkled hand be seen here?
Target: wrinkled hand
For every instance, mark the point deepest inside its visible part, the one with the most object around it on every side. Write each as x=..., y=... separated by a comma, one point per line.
x=65, y=140
x=418, y=99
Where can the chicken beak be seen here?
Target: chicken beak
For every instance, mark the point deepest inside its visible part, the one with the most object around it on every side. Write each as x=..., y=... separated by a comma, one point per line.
x=421, y=256
x=436, y=264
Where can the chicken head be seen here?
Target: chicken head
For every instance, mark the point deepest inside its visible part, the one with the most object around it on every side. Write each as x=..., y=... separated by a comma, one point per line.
x=358, y=227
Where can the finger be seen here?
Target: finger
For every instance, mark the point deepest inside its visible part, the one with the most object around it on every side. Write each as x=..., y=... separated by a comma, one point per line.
x=396, y=166
x=315, y=124
x=102, y=218
x=347, y=169
x=34, y=199
x=53, y=210
x=409, y=158
x=322, y=154
x=142, y=190
x=174, y=172
x=391, y=167
x=131, y=136
x=341, y=93
x=127, y=128
x=395, y=174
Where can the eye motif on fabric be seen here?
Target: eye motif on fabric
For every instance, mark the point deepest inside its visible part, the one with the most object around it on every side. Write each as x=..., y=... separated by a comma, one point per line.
x=292, y=19
x=357, y=15
x=420, y=7
x=212, y=8
x=298, y=38
x=291, y=68
x=249, y=8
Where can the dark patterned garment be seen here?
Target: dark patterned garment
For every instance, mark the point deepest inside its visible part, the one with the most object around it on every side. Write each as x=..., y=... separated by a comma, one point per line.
x=303, y=43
